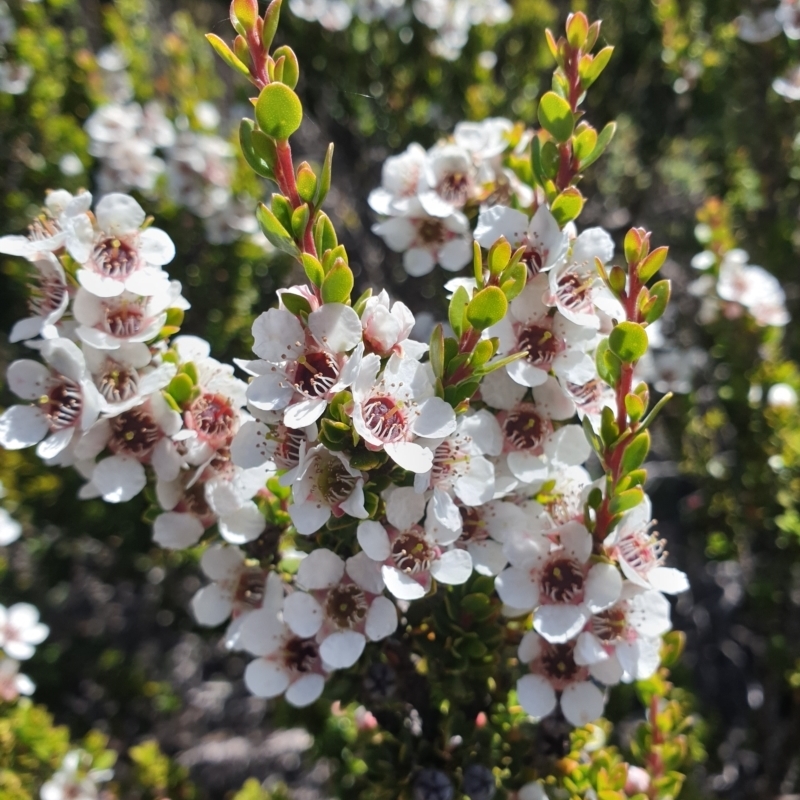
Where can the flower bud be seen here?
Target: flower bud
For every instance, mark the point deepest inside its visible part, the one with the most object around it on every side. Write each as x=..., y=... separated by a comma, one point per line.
x=637, y=782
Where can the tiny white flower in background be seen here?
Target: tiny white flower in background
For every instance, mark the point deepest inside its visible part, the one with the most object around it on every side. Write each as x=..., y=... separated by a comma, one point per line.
x=286, y=663
x=640, y=553
x=401, y=176
x=10, y=529
x=334, y=15
x=12, y=682
x=341, y=604
x=448, y=180
x=544, y=242
x=762, y=28
x=398, y=411
x=752, y=287
x=326, y=485
x=302, y=369
x=20, y=630
x=555, y=678
x=74, y=780
x=411, y=555
x=788, y=15
x=426, y=241
x=552, y=342
x=119, y=255
x=781, y=395
x=47, y=300
x=386, y=328
x=485, y=140
x=558, y=581
x=66, y=402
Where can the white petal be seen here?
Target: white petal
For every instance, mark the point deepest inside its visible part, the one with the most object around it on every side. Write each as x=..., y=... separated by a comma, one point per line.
x=175, y=530
x=309, y=517
x=304, y=413
x=244, y=525
x=410, y=456
x=119, y=214
x=418, y=262
x=536, y=696
x=336, y=326
x=305, y=691
x=569, y=446
x=487, y=557
x=577, y=541
x=454, y=567
x=446, y=512
x=222, y=563
x=525, y=373
x=589, y=649
x=278, y=336
x=342, y=649
x=212, y=605
x=527, y=467
x=262, y=632
x=436, y=419
x=320, y=569
x=25, y=329
x=500, y=221
x=381, y=619
x=270, y=392
x=559, y=624
x=156, y=247
x=365, y=572
x=456, y=254
x=404, y=507
x=119, y=478
x=668, y=580
x=402, y=586
x=374, y=540
x=603, y=587
x=251, y=447
x=608, y=671
x=582, y=703
x=99, y=285
x=530, y=648
x=265, y=679
x=303, y=614
x=55, y=444
x=516, y=589
x=28, y=379
x=22, y=426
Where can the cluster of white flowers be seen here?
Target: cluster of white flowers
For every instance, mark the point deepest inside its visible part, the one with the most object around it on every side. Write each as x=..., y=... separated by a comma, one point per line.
x=451, y=19
x=138, y=146
x=731, y=287
x=424, y=194
x=767, y=25
x=20, y=632
x=74, y=779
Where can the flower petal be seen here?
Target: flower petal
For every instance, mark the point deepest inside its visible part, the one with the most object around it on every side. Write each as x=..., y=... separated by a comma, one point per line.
x=381, y=619
x=453, y=568
x=536, y=696
x=559, y=624
x=303, y=614
x=305, y=691
x=265, y=679
x=582, y=703
x=342, y=649
x=22, y=426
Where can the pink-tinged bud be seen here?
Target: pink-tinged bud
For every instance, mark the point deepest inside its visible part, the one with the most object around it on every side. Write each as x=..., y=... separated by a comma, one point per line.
x=481, y=720
x=365, y=720
x=637, y=782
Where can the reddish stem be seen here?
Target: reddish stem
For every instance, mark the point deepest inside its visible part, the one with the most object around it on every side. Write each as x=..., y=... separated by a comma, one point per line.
x=568, y=165
x=258, y=57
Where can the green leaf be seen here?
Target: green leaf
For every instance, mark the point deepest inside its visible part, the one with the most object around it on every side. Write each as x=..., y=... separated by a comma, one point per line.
x=361, y=303
x=299, y=220
x=499, y=256
x=180, y=388
x=483, y=351
x=584, y=142
x=271, y=17
x=577, y=29
x=626, y=500
x=636, y=452
x=567, y=206
x=555, y=116
x=313, y=269
x=324, y=234
x=477, y=264
x=652, y=263
x=244, y=14
x=487, y=308
x=591, y=72
x=295, y=303
x=282, y=209
x=513, y=280
x=279, y=111
x=277, y=235
x=609, y=430
x=291, y=66
x=633, y=245
x=609, y=367
x=457, y=310
x=253, y=159
x=603, y=140
x=628, y=340
x=437, y=351
x=634, y=407
x=338, y=283
x=659, y=298
x=455, y=395
x=550, y=160
x=306, y=183
x=324, y=182
x=226, y=54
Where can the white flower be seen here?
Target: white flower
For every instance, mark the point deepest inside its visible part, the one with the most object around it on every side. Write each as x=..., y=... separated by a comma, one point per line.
x=575, y=287
x=411, y=555
x=50, y=230
x=640, y=553
x=391, y=411
x=591, y=398
x=623, y=642
x=237, y=591
x=544, y=242
x=781, y=395
x=325, y=485
x=553, y=669
x=486, y=139
x=558, y=581
x=20, y=630
x=341, y=604
x=73, y=781
x=754, y=288
x=448, y=180
x=426, y=241
x=552, y=342
x=10, y=529
x=788, y=15
x=302, y=369
x=764, y=27
x=67, y=402
x=386, y=328
x=47, y=300
x=401, y=176
x=106, y=323
x=286, y=663
x=12, y=682
x=120, y=256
